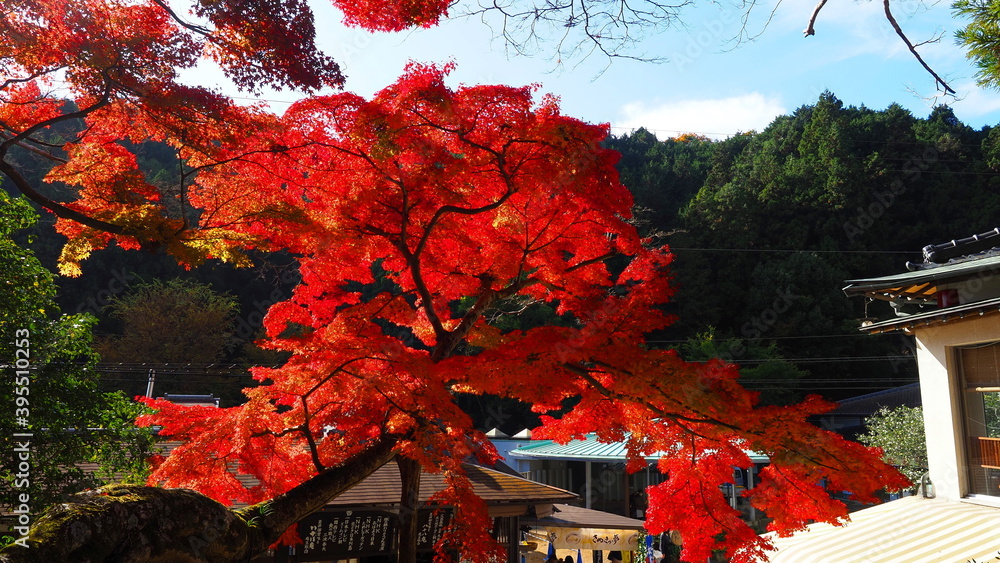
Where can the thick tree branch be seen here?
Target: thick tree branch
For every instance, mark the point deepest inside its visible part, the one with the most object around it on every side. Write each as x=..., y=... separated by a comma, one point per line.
x=811, y=28
x=409, y=479
x=55, y=207
x=310, y=439
x=29, y=145
x=137, y=524
x=275, y=516
x=133, y=524
x=485, y=300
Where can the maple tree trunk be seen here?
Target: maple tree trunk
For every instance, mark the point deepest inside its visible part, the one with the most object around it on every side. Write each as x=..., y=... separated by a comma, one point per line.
x=409, y=479
x=139, y=524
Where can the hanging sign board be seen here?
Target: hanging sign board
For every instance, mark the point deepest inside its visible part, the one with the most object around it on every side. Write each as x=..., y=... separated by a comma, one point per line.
x=358, y=533
x=346, y=534
x=594, y=538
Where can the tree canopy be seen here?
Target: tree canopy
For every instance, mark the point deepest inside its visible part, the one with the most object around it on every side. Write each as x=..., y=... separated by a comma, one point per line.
x=462, y=199
x=899, y=432
x=827, y=193
x=170, y=322
x=70, y=435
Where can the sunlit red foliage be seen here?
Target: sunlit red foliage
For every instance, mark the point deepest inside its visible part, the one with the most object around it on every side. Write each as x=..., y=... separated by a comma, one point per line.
x=413, y=215
x=462, y=198
x=393, y=16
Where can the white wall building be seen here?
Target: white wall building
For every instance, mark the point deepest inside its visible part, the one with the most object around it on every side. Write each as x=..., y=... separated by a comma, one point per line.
x=950, y=304
x=956, y=327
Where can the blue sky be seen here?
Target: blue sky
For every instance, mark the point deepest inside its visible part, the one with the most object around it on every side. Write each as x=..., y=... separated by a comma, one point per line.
x=706, y=86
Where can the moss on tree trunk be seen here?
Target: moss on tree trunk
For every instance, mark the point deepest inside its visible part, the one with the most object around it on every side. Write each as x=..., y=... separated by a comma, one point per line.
x=131, y=523
x=138, y=524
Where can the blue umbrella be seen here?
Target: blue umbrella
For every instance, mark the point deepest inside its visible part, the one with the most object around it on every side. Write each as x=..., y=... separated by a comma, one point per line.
x=579, y=557
x=552, y=548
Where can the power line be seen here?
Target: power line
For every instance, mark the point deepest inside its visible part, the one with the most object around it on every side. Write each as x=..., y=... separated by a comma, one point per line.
x=847, y=359
x=801, y=337
x=792, y=250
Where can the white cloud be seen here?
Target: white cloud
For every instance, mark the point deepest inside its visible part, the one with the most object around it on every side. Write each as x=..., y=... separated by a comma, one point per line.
x=718, y=118
x=973, y=101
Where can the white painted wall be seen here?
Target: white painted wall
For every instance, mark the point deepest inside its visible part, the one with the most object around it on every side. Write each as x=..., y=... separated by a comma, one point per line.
x=942, y=398
x=506, y=445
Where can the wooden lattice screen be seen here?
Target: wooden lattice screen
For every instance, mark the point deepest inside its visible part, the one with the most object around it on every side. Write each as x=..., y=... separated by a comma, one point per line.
x=989, y=452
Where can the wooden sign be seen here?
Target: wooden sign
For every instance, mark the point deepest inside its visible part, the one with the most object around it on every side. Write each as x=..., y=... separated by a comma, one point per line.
x=594, y=538
x=359, y=533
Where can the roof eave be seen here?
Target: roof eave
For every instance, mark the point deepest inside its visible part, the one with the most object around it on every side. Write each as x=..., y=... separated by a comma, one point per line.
x=939, y=316
x=940, y=274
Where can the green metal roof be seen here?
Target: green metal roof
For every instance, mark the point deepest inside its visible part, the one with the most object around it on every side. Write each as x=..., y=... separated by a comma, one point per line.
x=589, y=449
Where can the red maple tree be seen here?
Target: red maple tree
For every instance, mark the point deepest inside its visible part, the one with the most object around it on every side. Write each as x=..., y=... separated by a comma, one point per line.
x=413, y=215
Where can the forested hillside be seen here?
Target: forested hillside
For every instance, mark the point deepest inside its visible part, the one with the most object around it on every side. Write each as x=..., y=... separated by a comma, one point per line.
x=114, y=274
x=767, y=226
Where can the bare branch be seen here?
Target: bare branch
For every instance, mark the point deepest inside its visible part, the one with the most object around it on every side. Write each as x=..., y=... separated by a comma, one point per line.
x=811, y=30
x=892, y=21
x=579, y=28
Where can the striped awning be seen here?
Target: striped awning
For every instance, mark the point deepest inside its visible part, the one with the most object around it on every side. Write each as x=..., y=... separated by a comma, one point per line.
x=909, y=530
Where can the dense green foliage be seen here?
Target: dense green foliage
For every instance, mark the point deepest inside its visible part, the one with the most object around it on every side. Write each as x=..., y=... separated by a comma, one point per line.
x=174, y=321
x=763, y=369
x=767, y=226
x=55, y=417
x=981, y=37
x=899, y=433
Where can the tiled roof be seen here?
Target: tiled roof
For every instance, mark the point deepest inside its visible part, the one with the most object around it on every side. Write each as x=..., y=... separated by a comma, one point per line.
x=956, y=280
x=866, y=405
x=922, y=283
x=961, y=248
x=382, y=488
x=952, y=261
x=935, y=316
x=568, y=516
